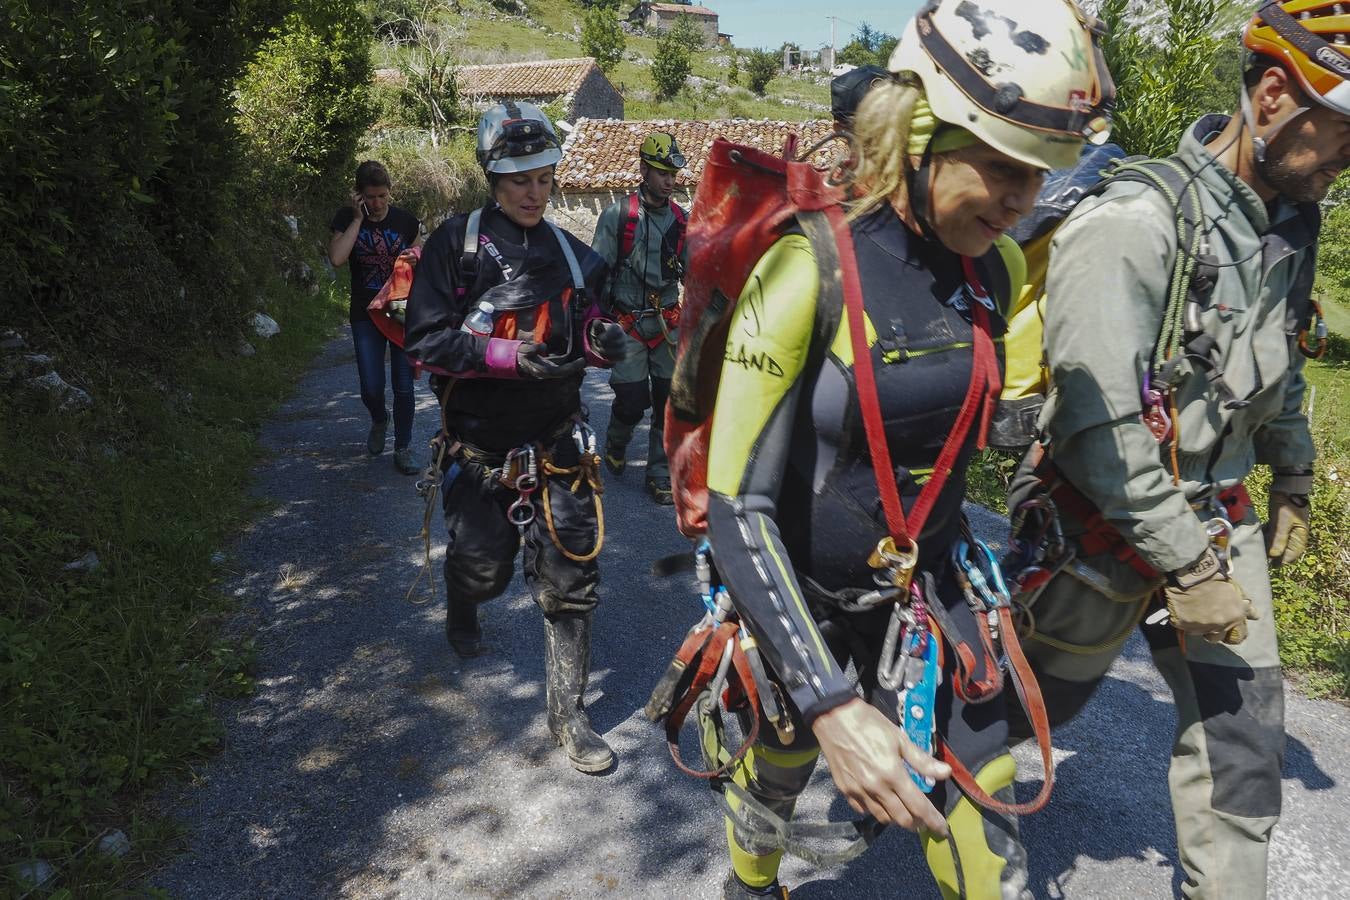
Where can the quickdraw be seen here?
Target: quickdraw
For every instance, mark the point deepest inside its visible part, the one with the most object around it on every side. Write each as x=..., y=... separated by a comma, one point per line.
x=1318, y=328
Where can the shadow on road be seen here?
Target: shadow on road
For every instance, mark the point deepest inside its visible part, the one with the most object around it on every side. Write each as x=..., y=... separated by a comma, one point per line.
x=372, y=762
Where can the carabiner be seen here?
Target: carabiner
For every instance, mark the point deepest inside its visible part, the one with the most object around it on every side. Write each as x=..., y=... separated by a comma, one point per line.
x=583, y=435
x=895, y=567
x=520, y=513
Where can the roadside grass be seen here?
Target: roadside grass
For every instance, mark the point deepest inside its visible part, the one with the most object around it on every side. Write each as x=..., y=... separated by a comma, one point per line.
x=1312, y=597
x=107, y=677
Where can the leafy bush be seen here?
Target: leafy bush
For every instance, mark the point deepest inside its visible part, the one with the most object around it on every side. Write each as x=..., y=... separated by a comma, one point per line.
x=430, y=94
x=671, y=63
x=601, y=36
x=760, y=68
x=432, y=182
x=1163, y=87
x=304, y=100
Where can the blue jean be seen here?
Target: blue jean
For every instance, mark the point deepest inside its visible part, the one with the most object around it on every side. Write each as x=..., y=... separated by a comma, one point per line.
x=370, y=349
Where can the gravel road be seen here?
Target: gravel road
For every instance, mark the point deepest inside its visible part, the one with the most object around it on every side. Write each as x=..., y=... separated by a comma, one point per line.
x=372, y=762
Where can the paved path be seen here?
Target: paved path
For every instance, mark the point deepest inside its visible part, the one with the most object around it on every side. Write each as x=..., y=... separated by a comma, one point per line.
x=372, y=762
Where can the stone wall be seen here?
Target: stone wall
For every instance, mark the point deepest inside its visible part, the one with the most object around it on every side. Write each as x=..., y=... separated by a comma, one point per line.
x=596, y=98
x=658, y=20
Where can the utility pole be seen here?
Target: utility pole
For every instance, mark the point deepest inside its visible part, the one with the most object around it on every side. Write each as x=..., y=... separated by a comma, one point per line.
x=833, y=58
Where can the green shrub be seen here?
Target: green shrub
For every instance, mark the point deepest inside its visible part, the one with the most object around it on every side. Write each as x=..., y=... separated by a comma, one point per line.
x=1162, y=88
x=671, y=63
x=601, y=36
x=432, y=182
x=304, y=100
x=760, y=68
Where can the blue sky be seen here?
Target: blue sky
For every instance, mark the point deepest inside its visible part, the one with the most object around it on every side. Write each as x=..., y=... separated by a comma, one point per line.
x=768, y=23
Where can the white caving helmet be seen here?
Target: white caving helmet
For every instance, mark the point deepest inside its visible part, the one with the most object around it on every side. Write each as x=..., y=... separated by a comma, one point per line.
x=1026, y=77
x=516, y=137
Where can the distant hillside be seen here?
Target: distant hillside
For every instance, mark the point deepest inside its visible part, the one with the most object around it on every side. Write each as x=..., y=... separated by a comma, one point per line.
x=551, y=29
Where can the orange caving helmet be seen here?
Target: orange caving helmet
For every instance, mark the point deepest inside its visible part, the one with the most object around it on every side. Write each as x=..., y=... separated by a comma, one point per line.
x=1311, y=40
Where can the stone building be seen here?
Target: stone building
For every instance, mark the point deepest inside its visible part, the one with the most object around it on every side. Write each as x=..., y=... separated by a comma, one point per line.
x=662, y=17
x=582, y=88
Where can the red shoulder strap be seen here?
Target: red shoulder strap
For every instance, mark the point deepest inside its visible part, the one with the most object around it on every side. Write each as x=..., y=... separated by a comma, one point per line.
x=629, y=233
x=985, y=384
x=680, y=223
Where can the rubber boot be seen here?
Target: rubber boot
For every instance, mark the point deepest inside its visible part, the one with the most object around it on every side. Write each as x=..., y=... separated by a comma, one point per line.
x=567, y=663
x=735, y=889
x=462, y=629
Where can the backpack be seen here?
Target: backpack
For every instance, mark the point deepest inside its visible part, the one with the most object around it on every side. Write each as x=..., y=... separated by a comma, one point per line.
x=1194, y=275
x=628, y=234
x=388, y=307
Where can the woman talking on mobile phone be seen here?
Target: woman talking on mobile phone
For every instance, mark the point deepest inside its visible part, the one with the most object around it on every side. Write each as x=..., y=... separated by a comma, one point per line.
x=371, y=233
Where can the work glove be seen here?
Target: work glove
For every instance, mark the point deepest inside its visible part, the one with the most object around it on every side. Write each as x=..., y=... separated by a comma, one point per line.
x=531, y=362
x=608, y=340
x=1287, y=524
x=1202, y=600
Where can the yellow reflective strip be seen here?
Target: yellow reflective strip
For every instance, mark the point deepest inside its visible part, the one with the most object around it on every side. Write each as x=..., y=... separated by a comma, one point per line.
x=791, y=583
x=842, y=348
x=781, y=759
x=756, y=871
x=981, y=868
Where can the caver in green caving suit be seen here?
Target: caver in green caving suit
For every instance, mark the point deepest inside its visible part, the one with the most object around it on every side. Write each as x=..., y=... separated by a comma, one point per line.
x=642, y=238
x=1107, y=288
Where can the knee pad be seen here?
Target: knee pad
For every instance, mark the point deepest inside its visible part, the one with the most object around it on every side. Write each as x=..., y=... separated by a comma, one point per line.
x=1242, y=711
x=660, y=394
x=631, y=400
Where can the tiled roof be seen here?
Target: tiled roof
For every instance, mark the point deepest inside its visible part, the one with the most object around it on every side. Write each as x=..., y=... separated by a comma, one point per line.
x=601, y=154
x=681, y=9
x=527, y=79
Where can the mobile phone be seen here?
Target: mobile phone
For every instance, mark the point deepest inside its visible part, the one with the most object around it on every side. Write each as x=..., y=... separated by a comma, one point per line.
x=364, y=211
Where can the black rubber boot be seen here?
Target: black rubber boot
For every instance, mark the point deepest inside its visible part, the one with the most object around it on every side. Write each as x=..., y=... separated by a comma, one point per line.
x=735, y=889
x=462, y=629
x=659, y=490
x=614, y=458
x=567, y=663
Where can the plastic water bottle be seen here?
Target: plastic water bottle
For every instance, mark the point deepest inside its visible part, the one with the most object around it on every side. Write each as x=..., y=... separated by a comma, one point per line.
x=479, y=321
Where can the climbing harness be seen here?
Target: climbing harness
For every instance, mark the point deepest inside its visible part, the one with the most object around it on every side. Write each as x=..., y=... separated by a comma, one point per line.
x=718, y=666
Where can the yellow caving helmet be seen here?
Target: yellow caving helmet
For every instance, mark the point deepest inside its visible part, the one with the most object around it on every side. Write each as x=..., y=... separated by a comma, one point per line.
x=660, y=150
x=1026, y=77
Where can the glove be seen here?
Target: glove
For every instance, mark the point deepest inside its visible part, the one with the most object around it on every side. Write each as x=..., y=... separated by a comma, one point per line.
x=532, y=363
x=1287, y=525
x=608, y=340
x=1202, y=600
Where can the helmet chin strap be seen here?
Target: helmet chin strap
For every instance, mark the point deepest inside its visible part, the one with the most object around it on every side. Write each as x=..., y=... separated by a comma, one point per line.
x=918, y=192
x=1261, y=143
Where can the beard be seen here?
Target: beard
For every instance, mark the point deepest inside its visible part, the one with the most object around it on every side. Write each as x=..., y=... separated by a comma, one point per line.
x=1289, y=182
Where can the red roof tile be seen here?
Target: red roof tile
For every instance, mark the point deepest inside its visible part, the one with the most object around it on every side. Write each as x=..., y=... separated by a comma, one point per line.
x=681, y=9
x=601, y=154
x=526, y=79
